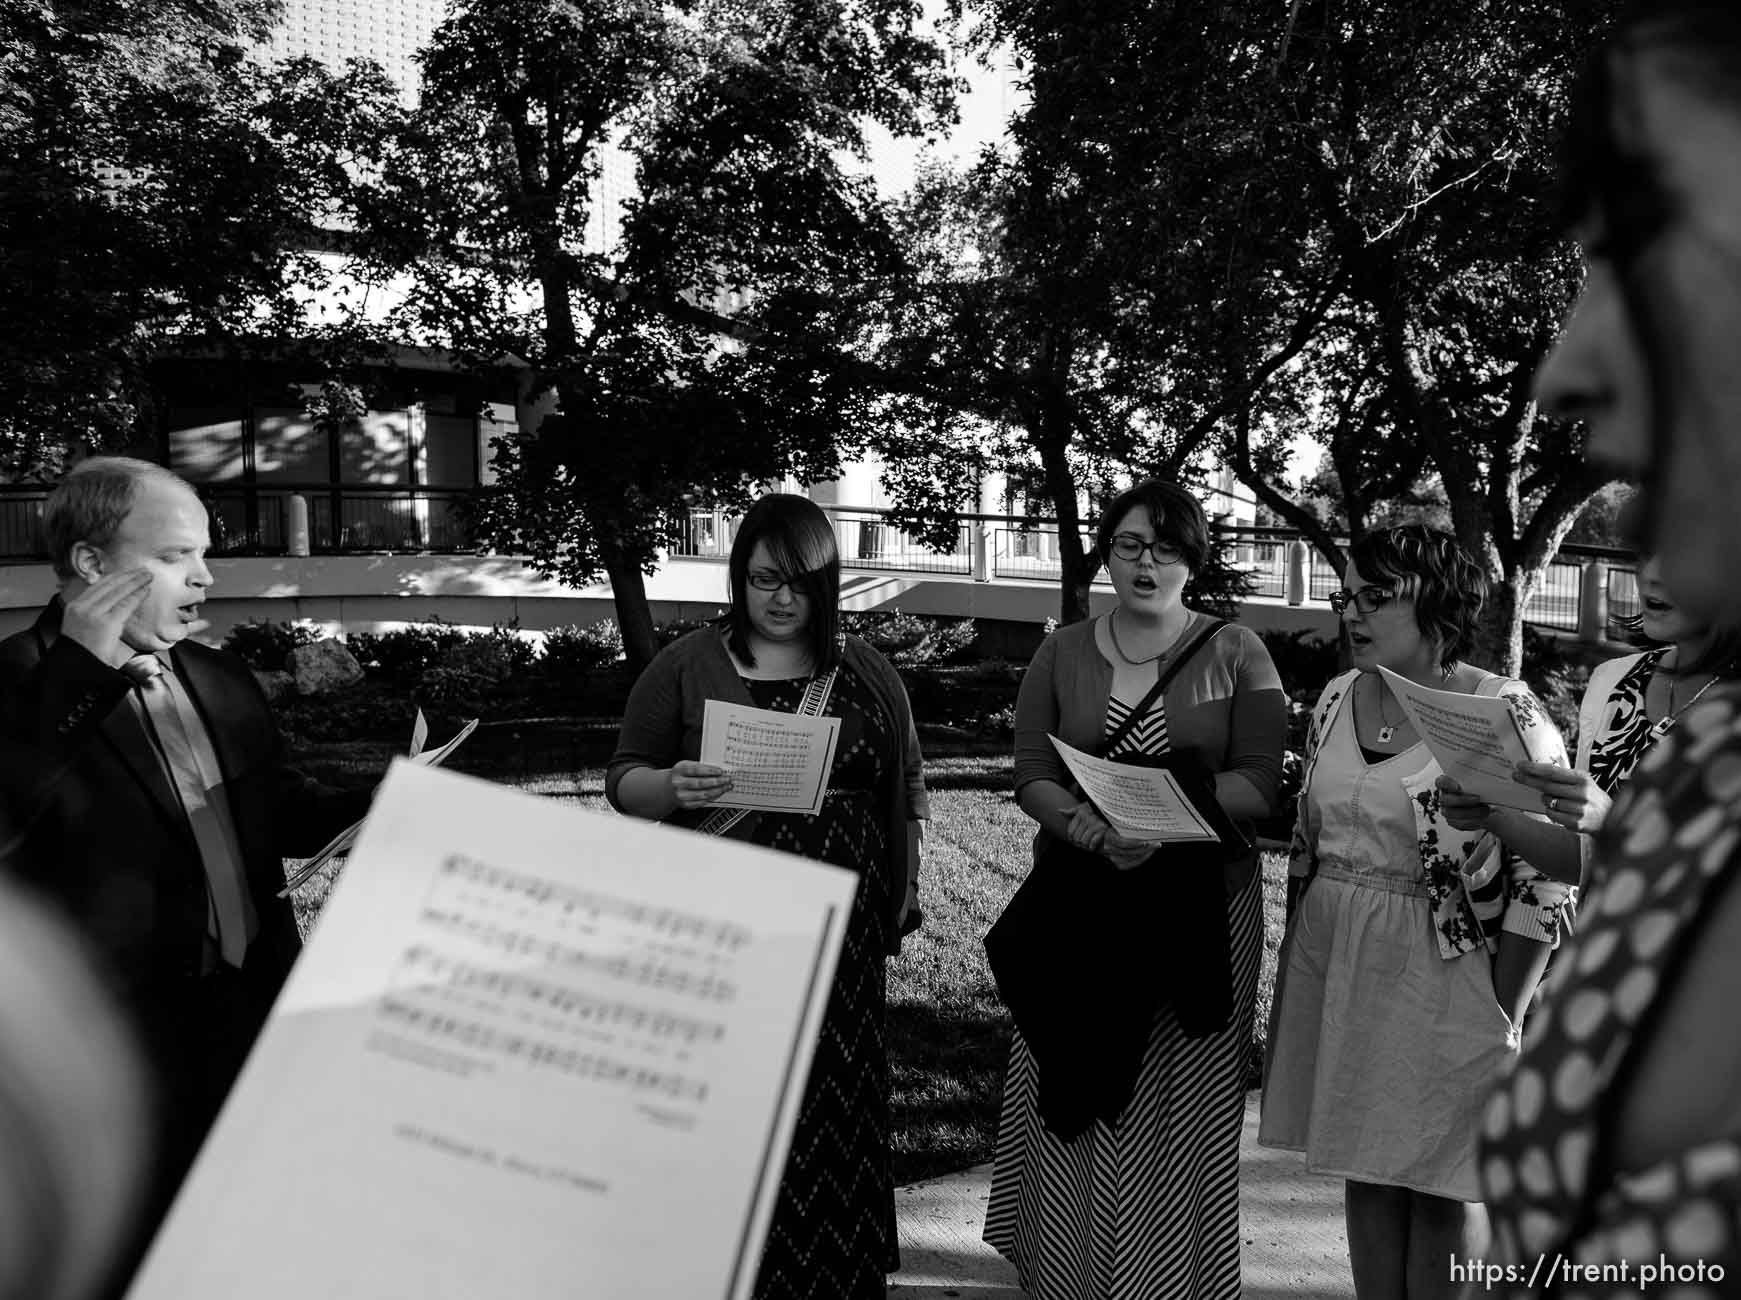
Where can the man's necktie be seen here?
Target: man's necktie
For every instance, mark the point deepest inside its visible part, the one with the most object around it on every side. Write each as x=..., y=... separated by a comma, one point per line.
x=199, y=789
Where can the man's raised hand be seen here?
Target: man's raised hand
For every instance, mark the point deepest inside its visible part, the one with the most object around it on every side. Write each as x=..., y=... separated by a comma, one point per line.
x=94, y=618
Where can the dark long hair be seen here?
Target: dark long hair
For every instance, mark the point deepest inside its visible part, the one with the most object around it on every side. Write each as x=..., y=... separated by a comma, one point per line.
x=800, y=541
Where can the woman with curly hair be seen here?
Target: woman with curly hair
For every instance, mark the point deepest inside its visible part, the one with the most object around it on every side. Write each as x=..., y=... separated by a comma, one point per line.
x=1412, y=949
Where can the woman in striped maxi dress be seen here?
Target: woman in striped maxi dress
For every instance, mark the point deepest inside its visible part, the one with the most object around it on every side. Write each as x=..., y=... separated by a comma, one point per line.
x=1145, y=1205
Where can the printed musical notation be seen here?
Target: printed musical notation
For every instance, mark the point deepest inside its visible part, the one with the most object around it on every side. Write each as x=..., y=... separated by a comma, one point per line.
x=467, y=1001
x=560, y=903
x=536, y=1053
x=779, y=762
x=513, y=1015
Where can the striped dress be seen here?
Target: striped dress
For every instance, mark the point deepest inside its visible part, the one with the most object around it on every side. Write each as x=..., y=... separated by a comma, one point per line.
x=1148, y=1208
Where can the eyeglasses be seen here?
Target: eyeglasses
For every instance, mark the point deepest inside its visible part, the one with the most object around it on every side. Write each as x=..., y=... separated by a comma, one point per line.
x=1128, y=546
x=773, y=582
x=1368, y=600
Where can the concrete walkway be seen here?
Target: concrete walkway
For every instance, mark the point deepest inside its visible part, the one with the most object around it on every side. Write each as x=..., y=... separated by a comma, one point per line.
x=1293, y=1243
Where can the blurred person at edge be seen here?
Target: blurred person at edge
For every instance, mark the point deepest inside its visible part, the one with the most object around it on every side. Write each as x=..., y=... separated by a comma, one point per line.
x=75, y=1124
x=833, y=1230
x=1616, y=1142
x=164, y=838
x=1157, y=1150
x=1411, y=949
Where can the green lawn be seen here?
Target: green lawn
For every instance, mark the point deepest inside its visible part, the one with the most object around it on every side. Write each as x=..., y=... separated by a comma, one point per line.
x=948, y=1032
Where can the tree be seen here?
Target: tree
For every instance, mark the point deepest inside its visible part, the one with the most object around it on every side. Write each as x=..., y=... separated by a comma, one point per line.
x=220, y=175
x=1334, y=219
x=734, y=115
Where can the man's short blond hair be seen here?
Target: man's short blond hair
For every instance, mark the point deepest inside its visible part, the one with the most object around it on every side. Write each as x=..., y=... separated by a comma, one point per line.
x=92, y=502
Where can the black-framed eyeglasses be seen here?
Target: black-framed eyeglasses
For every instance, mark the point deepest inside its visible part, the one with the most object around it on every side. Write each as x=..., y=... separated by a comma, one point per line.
x=1368, y=600
x=773, y=582
x=1128, y=546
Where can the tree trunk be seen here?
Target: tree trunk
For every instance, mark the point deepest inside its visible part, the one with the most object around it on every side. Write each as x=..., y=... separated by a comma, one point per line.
x=634, y=614
x=1499, y=631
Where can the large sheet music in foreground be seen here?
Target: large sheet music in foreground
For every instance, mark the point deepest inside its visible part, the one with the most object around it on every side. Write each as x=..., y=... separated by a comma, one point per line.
x=530, y=1051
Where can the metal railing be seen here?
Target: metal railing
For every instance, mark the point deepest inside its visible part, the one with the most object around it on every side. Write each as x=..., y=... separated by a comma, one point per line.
x=366, y=519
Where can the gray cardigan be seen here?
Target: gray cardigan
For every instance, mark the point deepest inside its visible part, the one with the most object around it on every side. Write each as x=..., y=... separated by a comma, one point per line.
x=662, y=724
x=1226, y=704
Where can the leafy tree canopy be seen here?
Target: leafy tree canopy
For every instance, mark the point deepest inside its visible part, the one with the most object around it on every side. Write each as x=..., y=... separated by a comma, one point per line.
x=221, y=173
x=735, y=114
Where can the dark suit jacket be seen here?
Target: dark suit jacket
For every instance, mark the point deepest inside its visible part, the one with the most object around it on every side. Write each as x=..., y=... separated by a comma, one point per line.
x=108, y=841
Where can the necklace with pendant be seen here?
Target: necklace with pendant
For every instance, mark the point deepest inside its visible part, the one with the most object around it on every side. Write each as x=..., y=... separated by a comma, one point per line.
x=1661, y=728
x=1386, y=728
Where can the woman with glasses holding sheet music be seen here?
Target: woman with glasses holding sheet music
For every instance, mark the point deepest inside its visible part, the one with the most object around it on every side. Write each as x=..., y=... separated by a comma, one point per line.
x=1132, y=1191
x=1412, y=949
x=780, y=648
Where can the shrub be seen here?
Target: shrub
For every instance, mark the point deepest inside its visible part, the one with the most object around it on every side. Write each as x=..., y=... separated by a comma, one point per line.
x=1306, y=662
x=517, y=652
x=909, y=640
x=469, y=671
x=366, y=711
x=573, y=651
x=665, y=633
x=1557, y=677
x=402, y=657
x=265, y=645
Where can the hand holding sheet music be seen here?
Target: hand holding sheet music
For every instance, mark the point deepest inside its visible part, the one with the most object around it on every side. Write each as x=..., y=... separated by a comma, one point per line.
x=1140, y=803
x=530, y=1051
x=779, y=762
x=1480, y=739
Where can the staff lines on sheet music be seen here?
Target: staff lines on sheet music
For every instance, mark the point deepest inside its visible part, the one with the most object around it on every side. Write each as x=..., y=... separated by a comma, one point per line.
x=670, y=922
x=598, y=1035
x=535, y=1053
x=649, y=972
x=567, y=1003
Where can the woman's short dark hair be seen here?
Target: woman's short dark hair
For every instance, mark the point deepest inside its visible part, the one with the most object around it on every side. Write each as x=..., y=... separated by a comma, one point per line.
x=1176, y=516
x=801, y=543
x=1431, y=568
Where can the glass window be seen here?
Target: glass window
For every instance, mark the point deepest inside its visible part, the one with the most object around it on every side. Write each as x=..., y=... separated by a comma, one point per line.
x=376, y=449
x=205, y=443
x=451, y=450
x=288, y=448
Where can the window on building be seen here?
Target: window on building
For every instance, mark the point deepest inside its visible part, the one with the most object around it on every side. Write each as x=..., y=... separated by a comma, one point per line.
x=450, y=450
x=205, y=444
x=376, y=449
x=288, y=448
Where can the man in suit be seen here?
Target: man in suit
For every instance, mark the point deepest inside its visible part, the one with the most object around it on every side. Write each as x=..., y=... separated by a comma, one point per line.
x=163, y=829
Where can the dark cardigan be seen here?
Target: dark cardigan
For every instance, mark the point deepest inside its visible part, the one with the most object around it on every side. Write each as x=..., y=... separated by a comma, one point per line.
x=662, y=724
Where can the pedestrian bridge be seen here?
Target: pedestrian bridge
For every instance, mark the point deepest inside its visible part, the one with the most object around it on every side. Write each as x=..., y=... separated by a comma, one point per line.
x=999, y=568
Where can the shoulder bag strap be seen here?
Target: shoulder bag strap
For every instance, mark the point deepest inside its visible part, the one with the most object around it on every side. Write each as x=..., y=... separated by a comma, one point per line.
x=1167, y=674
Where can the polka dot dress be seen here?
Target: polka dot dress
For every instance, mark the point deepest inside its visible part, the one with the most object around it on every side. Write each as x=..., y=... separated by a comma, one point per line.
x=833, y=1234
x=1667, y=849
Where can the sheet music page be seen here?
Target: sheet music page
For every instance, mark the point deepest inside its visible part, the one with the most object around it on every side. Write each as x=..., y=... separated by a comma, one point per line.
x=529, y=1051
x=1479, y=739
x=779, y=762
x=1142, y=803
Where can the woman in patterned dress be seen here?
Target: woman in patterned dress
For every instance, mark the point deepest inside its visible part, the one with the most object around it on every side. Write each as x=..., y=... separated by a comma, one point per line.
x=833, y=1233
x=1615, y=1146
x=1146, y=1205
x=1629, y=703
x=1411, y=949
